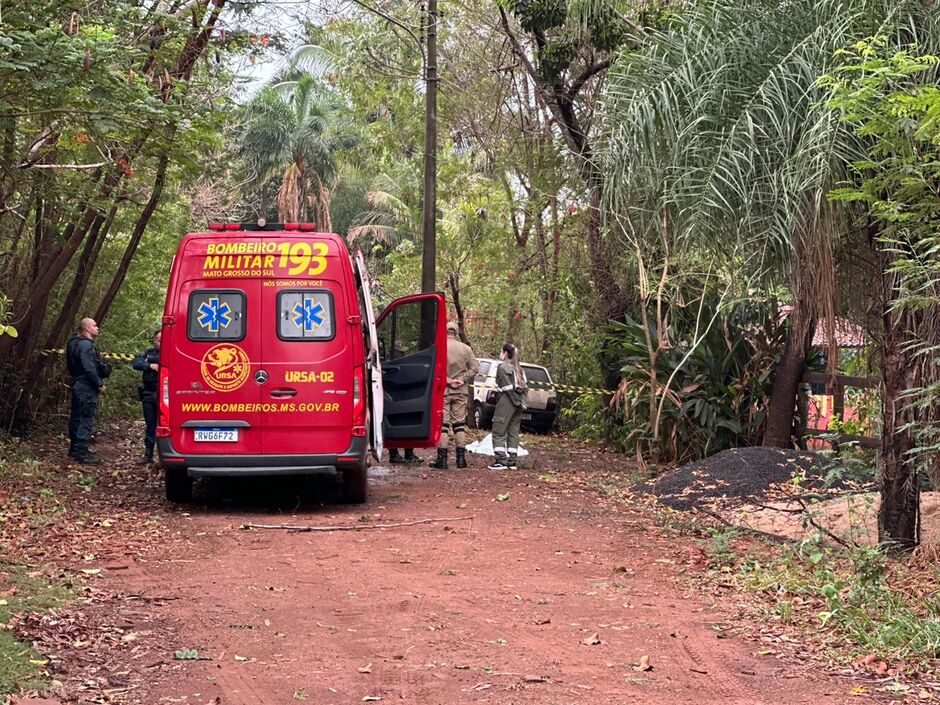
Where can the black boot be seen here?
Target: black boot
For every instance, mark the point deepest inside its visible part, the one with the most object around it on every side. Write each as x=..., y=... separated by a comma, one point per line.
x=441, y=462
x=394, y=457
x=410, y=457
x=461, y=457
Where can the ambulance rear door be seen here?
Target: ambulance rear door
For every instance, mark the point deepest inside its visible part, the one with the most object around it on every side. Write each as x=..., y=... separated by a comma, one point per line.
x=307, y=395
x=412, y=342
x=216, y=348
x=373, y=359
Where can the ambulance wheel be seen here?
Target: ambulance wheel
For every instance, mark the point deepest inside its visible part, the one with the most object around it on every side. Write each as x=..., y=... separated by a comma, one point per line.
x=179, y=485
x=354, y=485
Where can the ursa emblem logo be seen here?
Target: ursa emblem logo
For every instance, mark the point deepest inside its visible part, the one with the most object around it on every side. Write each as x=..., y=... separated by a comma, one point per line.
x=225, y=367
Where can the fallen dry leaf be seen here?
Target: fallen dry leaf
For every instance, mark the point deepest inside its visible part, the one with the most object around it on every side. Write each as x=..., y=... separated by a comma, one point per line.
x=365, y=669
x=644, y=664
x=592, y=640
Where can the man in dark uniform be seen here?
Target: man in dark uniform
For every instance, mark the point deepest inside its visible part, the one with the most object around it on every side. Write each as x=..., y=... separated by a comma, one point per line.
x=87, y=373
x=148, y=362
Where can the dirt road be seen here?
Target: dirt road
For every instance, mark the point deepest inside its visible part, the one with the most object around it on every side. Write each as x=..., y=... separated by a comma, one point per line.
x=548, y=593
x=539, y=589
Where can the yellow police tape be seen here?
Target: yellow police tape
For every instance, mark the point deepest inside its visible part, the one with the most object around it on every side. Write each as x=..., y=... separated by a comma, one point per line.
x=106, y=355
x=569, y=388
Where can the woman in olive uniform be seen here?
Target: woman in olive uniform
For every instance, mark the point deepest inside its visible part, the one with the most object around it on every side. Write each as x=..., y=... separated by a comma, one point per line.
x=510, y=383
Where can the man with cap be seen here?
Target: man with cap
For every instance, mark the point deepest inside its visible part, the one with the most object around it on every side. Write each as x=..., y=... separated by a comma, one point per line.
x=462, y=367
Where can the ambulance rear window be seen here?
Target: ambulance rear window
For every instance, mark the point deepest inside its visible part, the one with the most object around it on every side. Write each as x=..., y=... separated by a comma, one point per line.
x=216, y=314
x=305, y=314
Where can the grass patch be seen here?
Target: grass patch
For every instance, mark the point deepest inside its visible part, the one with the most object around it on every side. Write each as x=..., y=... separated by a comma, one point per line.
x=21, y=590
x=861, y=599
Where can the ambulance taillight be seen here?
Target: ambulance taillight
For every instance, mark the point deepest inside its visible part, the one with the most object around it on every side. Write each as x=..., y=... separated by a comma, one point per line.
x=359, y=402
x=163, y=429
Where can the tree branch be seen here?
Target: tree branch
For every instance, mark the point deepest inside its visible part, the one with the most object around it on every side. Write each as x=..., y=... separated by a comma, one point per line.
x=355, y=527
x=26, y=165
x=388, y=18
x=589, y=71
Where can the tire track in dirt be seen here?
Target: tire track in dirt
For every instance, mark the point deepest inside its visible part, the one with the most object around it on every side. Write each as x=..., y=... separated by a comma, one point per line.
x=502, y=611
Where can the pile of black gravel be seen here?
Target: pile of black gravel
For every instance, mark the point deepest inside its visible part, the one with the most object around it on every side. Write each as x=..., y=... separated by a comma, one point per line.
x=739, y=475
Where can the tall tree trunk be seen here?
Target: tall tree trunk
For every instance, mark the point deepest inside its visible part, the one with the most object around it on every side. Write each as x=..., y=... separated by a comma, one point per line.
x=11, y=264
x=139, y=229
x=551, y=296
x=37, y=365
x=787, y=376
x=86, y=265
x=898, y=514
x=900, y=495
x=33, y=306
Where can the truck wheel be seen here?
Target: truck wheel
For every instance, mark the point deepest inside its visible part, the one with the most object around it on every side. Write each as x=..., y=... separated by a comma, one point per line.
x=480, y=418
x=179, y=485
x=473, y=415
x=355, y=485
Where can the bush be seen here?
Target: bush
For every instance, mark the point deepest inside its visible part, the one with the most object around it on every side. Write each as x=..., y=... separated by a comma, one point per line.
x=686, y=392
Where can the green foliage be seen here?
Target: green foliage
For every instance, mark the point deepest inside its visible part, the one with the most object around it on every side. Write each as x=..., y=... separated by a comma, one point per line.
x=711, y=385
x=717, y=118
x=556, y=56
x=24, y=591
x=857, y=596
x=98, y=106
x=538, y=15
x=891, y=100
x=720, y=547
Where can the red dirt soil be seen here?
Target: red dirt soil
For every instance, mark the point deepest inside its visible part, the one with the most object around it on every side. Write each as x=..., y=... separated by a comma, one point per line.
x=551, y=593
x=503, y=608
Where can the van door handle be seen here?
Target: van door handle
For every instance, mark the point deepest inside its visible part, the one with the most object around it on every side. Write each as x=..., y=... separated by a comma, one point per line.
x=280, y=393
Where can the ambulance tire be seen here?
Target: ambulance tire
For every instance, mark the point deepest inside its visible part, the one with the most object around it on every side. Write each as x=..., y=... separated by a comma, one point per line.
x=179, y=485
x=355, y=485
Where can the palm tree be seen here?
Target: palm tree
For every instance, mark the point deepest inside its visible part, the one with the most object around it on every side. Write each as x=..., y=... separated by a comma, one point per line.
x=394, y=214
x=717, y=125
x=293, y=132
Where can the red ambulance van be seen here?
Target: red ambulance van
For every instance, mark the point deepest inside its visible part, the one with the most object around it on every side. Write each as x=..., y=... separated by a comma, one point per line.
x=273, y=363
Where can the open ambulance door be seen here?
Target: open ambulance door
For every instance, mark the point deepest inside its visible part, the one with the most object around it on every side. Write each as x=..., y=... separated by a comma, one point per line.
x=412, y=339
x=373, y=359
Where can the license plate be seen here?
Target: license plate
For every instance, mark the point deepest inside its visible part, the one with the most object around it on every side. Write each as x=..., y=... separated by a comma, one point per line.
x=217, y=435
x=527, y=417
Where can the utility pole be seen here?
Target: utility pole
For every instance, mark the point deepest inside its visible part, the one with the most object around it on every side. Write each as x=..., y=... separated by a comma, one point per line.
x=429, y=219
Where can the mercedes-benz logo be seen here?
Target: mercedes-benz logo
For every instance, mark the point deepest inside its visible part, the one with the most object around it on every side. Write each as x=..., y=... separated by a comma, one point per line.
x=261, y=376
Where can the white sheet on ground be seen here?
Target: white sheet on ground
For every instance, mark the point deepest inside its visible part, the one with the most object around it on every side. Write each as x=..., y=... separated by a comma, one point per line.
x=485, y=447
